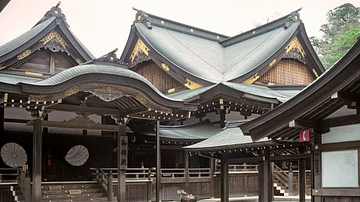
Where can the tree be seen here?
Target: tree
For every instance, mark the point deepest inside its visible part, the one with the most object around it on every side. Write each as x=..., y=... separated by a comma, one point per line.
x=339, y=34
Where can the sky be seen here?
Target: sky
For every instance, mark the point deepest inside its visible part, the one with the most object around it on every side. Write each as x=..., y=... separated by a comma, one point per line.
x=104, y=25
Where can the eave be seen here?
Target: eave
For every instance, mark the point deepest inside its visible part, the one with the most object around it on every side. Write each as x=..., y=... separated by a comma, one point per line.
x=343, y=73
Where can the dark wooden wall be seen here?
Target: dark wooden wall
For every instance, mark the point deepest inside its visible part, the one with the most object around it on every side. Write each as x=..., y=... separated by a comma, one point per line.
x=5, y=194
x=287, y=71
x=100, y=154
x=341, y=199
x=240, y=184
x=157, y=76
x=47, y=62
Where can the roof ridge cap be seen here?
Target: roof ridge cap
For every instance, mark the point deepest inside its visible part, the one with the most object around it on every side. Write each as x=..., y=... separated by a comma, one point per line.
x=285, y=22
x=150, y=19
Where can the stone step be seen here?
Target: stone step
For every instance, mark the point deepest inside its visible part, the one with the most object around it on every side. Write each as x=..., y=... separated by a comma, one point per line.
x=68, y=192
x=68, y=186
x=95, y=199
x=72, y=196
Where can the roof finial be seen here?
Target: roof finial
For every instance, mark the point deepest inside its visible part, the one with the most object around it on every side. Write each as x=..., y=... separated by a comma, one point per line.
x=58, y=4
x=135, y=9
x=109, y=58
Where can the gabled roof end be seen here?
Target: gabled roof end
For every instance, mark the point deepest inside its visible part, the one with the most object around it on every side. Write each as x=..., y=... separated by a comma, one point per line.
x=55, y=11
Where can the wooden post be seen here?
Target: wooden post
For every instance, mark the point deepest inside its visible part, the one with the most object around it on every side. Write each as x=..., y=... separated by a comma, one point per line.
x=291, y=182
x=158, y=162
x=37, y=159
x=110, y=191
x=271, y=180
x=224, y=179
x=316, y=169
x=302, y=177
x=212, y=183
x=27, y=186
x=122, y=163
x=2, y=119
x=187, y=172
x=265, y=186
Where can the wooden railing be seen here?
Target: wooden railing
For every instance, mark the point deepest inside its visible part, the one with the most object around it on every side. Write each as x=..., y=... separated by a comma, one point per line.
x=281, y=176
x=105, y=179
x=148, y=174
x=243, y=167
x=199, y=172
x=9, y=174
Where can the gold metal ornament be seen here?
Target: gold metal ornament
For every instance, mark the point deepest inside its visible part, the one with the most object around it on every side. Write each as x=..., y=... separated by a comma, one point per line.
x=71, y=91
x=24, y=54
x=295, y=43
x=139, y=46
x=192, y=85
x=165, y=67
x=79, y=61
x=54, y=35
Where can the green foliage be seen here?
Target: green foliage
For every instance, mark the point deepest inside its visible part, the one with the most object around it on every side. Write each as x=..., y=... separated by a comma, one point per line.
x=339, y=34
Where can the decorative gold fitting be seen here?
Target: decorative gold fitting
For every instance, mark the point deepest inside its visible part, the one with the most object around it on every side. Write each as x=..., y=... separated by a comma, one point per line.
x=221, y=101
x=316, y=147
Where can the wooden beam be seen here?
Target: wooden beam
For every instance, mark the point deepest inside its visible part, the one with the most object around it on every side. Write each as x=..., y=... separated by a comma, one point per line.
x=246, y=160
x=84, y=109
x=340, y=121
x=74, y=125
x=339, y=146
x=302, y=123
x=336, y=192
x=290, y=157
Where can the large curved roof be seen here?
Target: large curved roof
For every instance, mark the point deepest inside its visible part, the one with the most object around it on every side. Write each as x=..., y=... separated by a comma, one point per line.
x=206, y=57
x=53, y=19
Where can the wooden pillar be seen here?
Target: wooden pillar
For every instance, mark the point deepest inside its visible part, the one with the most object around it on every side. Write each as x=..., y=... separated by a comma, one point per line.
x=316, y=169
x=212, y=183
x=158, y=162
x=224, y=178
x=302, y=177
x=265, y=179
x=37, y=159
x=187, y=172
x=2, y=116
x=122, y=163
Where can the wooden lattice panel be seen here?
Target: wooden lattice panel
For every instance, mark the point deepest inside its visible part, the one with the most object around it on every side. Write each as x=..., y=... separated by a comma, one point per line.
x=287, y=72
x=157, y=76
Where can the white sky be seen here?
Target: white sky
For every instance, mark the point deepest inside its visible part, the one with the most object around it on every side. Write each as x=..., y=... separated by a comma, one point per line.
x=103, y=25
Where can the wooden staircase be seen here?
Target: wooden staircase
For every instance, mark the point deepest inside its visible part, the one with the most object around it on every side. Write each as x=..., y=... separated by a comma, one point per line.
x=286, y=184
x=68, y=192
x=281, y=181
